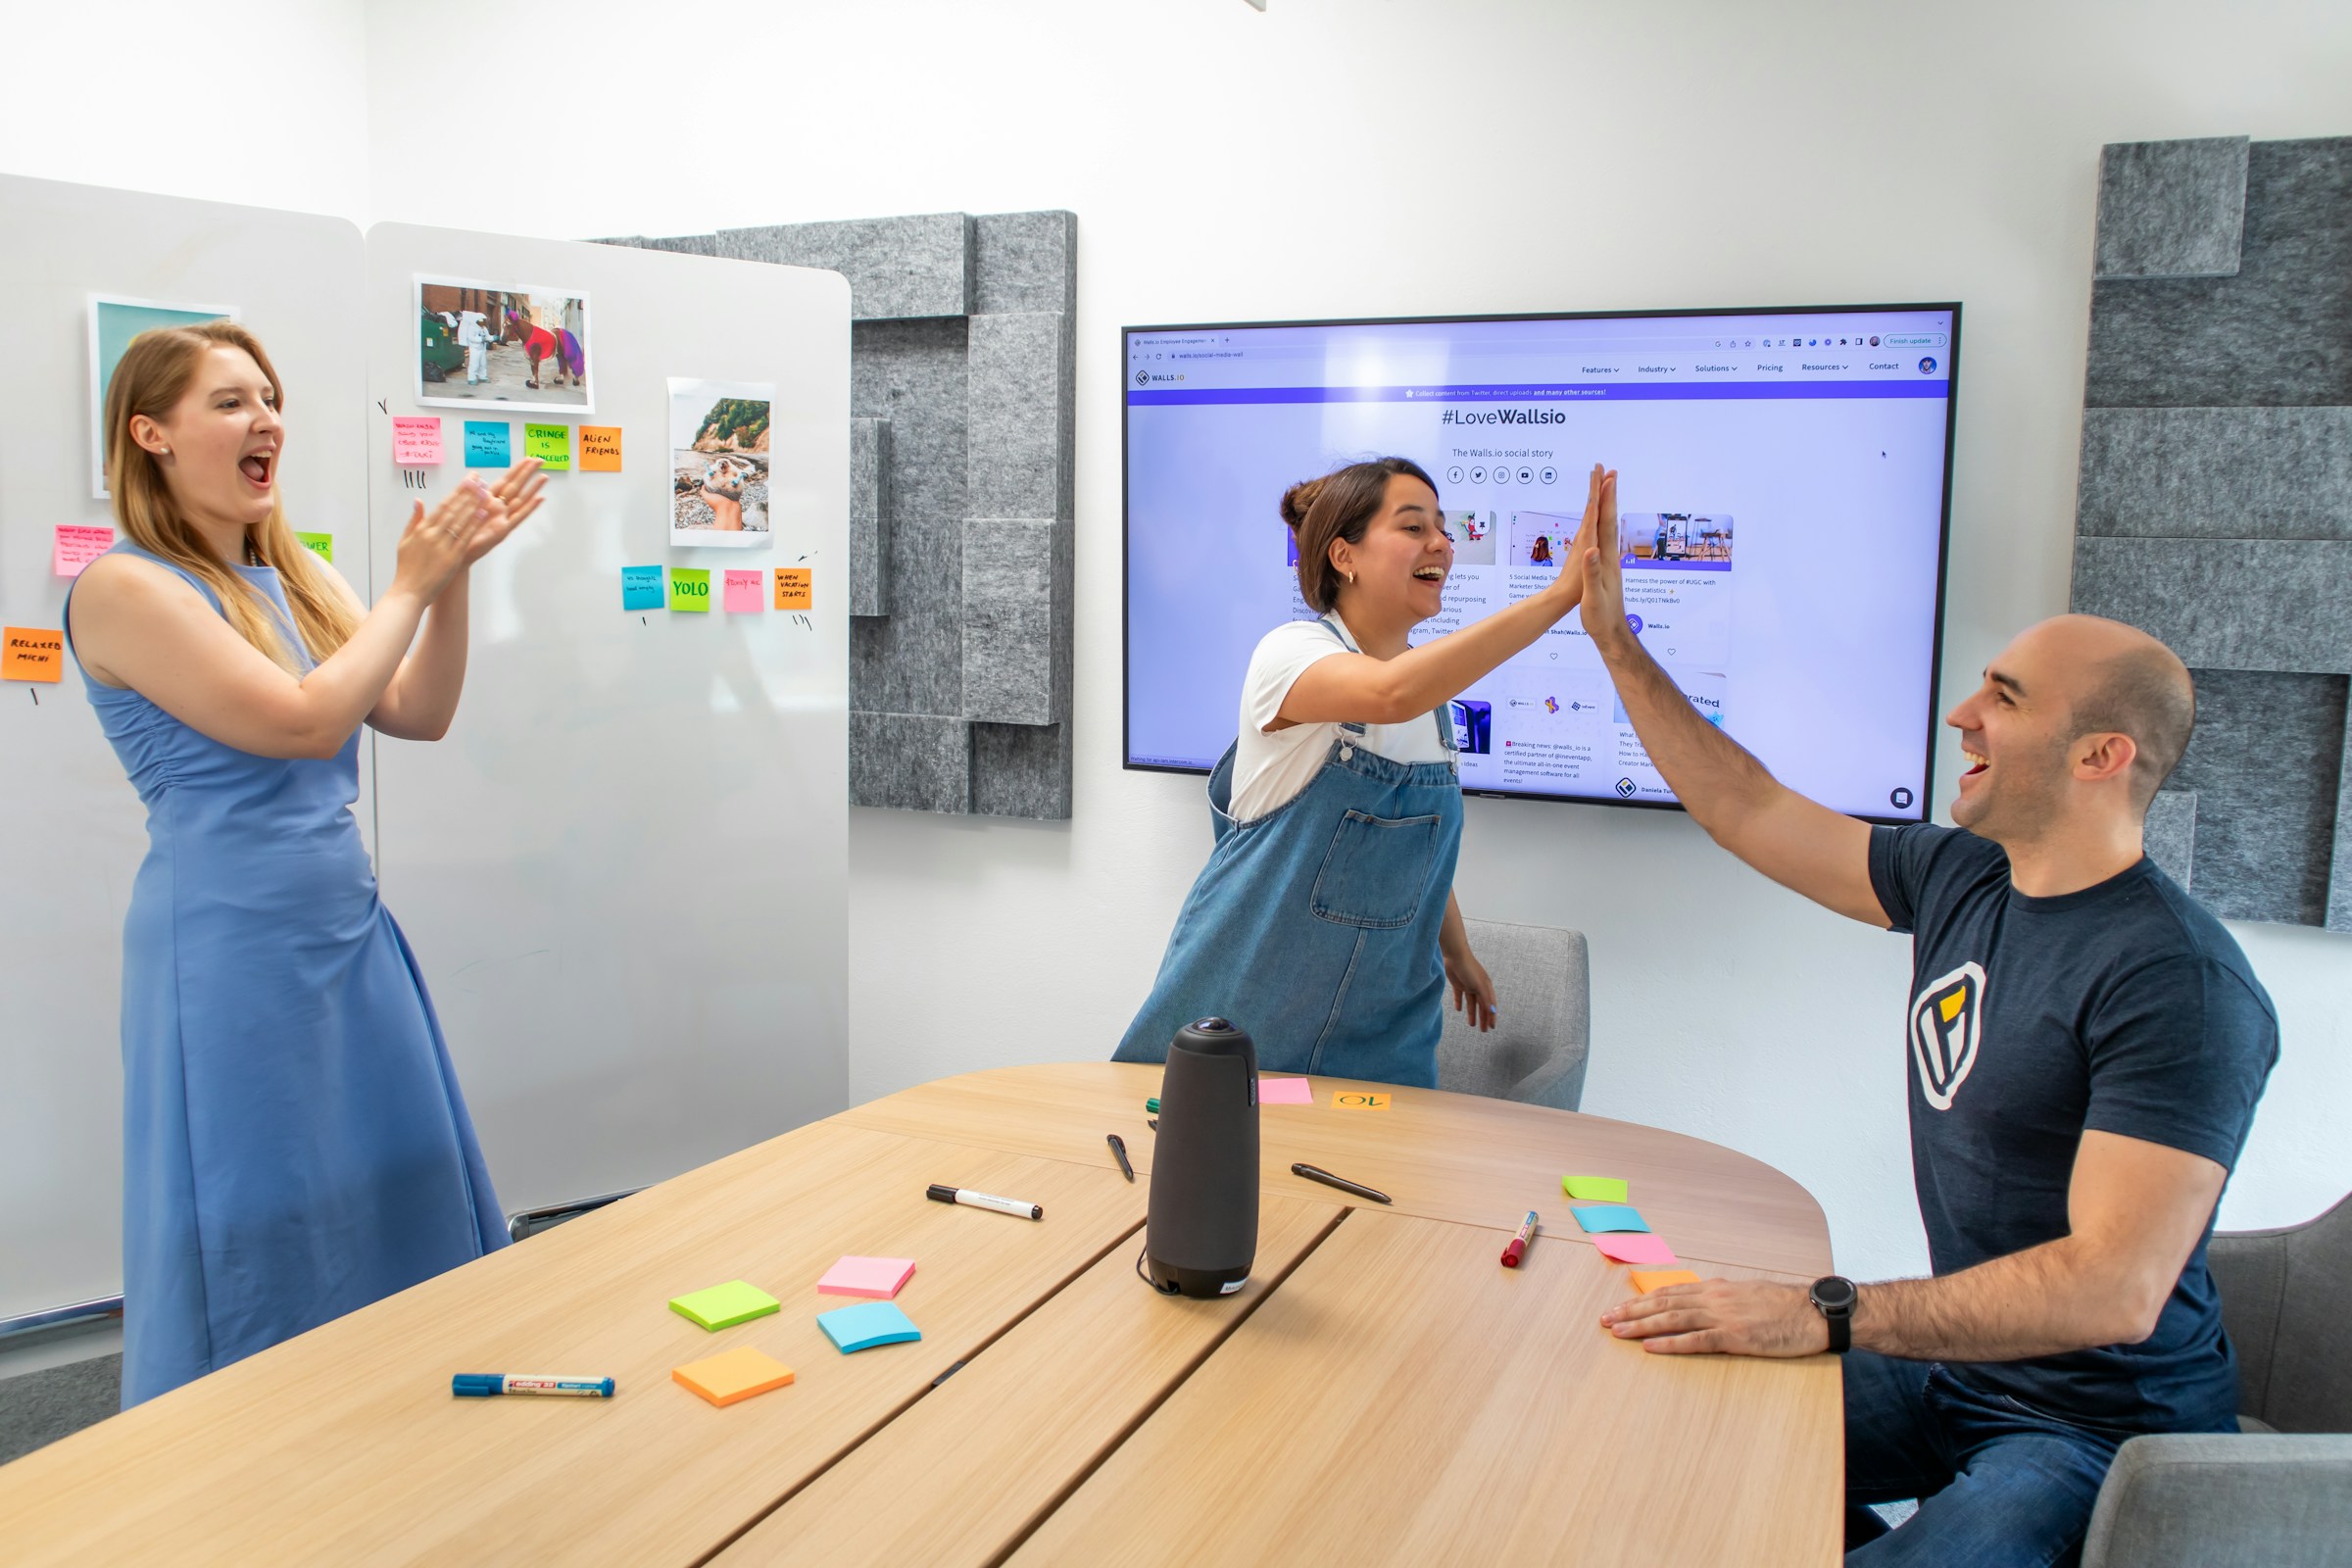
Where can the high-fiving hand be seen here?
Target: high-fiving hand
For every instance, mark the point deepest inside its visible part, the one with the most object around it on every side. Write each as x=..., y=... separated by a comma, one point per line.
x=515, y=495
x=1597, y=553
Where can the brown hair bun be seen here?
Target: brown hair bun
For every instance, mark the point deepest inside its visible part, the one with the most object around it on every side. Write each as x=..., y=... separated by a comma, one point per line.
x=1299, y=499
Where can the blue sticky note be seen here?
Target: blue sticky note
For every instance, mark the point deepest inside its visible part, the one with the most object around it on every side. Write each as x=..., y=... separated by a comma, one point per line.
x=641, y=587
x=866, y=1325
x=486, y=444
x=1596, y=1217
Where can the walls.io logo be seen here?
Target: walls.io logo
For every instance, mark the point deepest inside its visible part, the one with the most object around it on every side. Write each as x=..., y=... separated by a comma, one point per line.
x=1948, y=1030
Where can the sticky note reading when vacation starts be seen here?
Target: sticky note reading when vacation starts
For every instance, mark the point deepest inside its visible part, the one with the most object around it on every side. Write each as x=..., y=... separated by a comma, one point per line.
x=1285, y=1091
x=32, y=653
x=600, y=448
x=417, y=440
x=641, y=587
x=487, y=444
x=1609, y=1217
x=1647, y=1280
x=551, y=444
x=1594, y=1189
x=1360, y=1099
x=690, y=588
x=796, y=588
x=78, y=546
x=743, y=593
x=322, y=545
x=1641, y=1248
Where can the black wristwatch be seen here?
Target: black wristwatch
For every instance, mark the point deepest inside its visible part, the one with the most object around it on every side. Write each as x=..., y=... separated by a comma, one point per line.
x=1833, y=1296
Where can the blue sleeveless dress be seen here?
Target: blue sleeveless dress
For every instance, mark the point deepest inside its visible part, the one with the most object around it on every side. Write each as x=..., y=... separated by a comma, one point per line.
x=294, y=1144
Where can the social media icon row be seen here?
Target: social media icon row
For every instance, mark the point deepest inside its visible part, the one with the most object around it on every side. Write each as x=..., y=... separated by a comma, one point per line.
x=1501, y=473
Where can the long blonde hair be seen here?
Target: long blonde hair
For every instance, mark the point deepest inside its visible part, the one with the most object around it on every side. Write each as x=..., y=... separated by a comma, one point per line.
x=151, y=377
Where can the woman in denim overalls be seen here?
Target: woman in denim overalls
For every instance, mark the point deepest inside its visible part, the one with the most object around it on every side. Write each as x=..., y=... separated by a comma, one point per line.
x=1324, y=923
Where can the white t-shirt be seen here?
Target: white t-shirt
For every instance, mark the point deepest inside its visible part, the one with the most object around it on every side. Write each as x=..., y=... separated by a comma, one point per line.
x=1271, y=769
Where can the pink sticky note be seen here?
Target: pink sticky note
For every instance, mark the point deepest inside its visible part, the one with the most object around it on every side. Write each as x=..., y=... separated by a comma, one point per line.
x=417, y=440
x=78, y=546
x=1633, y=1248
x=877, y=1277
x=1285, y=1091
x=743, y=593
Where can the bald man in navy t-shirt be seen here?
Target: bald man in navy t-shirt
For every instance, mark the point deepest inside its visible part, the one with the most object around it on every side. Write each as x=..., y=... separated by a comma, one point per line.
x=2084, y=1045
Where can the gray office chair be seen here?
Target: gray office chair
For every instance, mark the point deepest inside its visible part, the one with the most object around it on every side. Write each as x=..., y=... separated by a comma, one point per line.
x=1544, y=1022
x=2281, y=1495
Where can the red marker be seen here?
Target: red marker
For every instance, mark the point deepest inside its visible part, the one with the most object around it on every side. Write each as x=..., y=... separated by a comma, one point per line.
x=1513, y=1253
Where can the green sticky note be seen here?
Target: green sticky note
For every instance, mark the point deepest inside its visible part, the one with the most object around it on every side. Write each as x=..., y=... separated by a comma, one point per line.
x=1594, y=1189
x=551, y=444
x=722, y=1306
x=322, y=545
x=689, y=588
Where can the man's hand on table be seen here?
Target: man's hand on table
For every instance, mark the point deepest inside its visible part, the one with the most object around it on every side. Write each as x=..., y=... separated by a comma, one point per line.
x=1725, y=1317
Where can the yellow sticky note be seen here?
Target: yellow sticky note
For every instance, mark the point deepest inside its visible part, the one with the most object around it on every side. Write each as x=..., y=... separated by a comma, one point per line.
x=551, y=444
x=34, y=653
x=1594, y=1189
x=690, y=588
x=733, y=1375
x=796, y=588
x=1360, y=1099
x=1647, y=1280
x=600, y=448
x=322, y=545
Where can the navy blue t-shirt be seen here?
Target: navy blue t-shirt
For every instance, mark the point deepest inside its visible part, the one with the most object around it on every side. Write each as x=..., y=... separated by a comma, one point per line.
x=2123, y=1008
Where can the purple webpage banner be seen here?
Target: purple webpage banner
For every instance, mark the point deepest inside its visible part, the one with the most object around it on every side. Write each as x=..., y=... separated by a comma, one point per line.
x=1923, y=387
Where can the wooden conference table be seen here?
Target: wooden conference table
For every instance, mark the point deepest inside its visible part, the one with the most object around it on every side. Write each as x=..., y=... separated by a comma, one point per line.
x=1383, y=1392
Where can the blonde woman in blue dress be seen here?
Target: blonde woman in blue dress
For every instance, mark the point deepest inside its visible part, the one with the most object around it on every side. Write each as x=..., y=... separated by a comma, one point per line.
x=294, y=1142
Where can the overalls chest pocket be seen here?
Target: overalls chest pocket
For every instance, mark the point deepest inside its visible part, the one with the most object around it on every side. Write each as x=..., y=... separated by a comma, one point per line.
x=1374, y=872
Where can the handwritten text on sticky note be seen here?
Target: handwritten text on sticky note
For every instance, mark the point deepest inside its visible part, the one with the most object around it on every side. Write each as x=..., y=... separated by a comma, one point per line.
x=796, y=588
x=417, y=440
x=551, y=444
x=641, y=587
x=1360, y=1099
x=742, y=592
x=487, y=444
x=322, y=545
x=689, y=588
x=32, y=653
x=78, y=546
x=600, y=448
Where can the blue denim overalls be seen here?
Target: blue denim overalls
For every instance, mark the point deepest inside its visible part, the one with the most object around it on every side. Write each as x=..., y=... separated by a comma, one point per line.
x=1315, y=926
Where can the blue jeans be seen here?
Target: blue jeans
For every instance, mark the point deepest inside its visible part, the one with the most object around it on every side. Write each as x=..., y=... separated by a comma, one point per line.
x=1997, y=1483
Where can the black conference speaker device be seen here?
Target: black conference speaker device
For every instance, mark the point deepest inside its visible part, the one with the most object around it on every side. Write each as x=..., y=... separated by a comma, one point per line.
x=1201, y=1233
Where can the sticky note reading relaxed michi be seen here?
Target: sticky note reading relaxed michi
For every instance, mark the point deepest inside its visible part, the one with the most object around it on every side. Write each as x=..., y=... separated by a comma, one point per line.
x=551, y=444
x=600, y=448
x=796, y=588
x=743, y=593
x=488, y=443
x=78, y=546
x=32, y=653
x=417, y=440
x=690, y=588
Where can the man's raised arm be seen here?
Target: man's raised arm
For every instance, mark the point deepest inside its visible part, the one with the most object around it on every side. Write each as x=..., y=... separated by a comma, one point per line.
x=1798, y=843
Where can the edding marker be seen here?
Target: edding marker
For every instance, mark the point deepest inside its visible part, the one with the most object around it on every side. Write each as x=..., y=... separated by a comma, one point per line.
x=1513, y=1253
x=483, y=1385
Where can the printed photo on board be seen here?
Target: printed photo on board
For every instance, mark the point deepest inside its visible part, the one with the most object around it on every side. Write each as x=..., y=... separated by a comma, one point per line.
x=523, y=348
x=114, y=322
x=718, y=463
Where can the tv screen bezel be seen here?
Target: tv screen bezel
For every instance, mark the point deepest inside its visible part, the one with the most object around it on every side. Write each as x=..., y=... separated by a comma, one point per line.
x=1943, y=541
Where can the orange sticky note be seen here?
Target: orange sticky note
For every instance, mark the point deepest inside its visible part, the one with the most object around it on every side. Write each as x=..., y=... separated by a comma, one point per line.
x=796, y=588
x=1360, y=1099
x=1647, y=1280
x=600, y=448
x=733, y=1375
x=32, y=653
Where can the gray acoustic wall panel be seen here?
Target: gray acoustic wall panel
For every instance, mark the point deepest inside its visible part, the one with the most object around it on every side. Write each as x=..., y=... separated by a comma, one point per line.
x=2216, y=474
x=2215, y=509
x=2278, y=333
x=2170, y=209
x=961, y=577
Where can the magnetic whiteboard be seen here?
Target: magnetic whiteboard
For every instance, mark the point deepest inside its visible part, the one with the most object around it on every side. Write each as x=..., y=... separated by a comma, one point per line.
x=624, y=870
x=71, y=830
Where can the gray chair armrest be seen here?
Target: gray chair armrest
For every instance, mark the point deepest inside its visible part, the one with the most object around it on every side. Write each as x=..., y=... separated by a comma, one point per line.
x=1559, y=1083
x=2181, y=1501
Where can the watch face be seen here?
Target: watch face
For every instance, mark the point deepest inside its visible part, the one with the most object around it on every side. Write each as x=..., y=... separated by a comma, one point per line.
x=1834, y=1294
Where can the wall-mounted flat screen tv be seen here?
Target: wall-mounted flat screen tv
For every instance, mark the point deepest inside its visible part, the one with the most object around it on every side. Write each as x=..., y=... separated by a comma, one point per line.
x=1785, y=492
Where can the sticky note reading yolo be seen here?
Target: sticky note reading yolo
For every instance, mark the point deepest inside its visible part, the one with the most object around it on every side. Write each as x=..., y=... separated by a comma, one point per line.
x=866, y=1325
x=1609, y=1217
x=1360, y=1099
x=641, y=587
x=733, y=1375
x=690, y=588
x=551, y=444
x=322, y=545
x=1647, y=1280
x=878, y=1277
x=1635, y=1249
x=1594, y=1189
x=487, y=444
x=796, y=588
x=600, y=448
x=743, y=593
x=1285, y=1091
x=76, y=547
x=32, y=653
x=722, y=1306
x=417, y=440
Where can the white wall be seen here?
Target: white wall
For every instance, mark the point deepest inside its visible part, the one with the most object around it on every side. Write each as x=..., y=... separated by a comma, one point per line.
x=1394, y=156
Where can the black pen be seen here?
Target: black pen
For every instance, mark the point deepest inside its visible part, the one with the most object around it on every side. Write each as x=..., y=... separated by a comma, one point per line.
x=1316, y=1174
x=1119, y=1149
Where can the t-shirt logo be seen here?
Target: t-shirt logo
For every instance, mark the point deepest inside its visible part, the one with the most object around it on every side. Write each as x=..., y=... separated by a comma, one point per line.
x=1947, y=1028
